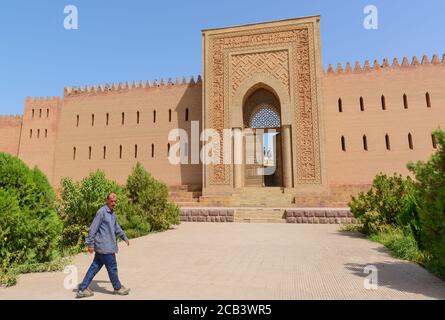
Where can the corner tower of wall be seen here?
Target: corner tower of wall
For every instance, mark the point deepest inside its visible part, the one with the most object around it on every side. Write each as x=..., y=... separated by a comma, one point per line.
x=39, y=133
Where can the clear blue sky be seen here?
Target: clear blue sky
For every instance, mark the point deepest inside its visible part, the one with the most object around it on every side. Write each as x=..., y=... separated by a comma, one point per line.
x=121, y=40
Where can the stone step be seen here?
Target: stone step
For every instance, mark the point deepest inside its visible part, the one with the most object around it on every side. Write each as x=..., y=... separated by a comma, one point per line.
x=177, y=201
x=185, y=194
x=238, y=220
x=260, y=215
x=264, y=197
x=258, y=204
x=257, y=192
x=191, y=204
x=253, y=216
x=283, y=200
x=186, y=188
x=216, y=201
x=183, y=198
x=260, y=211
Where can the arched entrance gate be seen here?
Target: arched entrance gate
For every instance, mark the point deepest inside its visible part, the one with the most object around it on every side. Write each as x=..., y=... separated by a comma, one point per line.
x=262, y=140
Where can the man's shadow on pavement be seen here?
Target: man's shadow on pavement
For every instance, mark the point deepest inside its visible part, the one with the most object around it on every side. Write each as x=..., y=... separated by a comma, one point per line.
x=99, y=289
x=96, y=288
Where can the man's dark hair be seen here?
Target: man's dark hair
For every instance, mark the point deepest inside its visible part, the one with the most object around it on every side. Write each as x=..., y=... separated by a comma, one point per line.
x=109, y=195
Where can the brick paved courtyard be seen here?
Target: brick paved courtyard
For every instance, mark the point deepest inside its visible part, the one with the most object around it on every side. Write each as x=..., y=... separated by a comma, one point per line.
x=246, y=261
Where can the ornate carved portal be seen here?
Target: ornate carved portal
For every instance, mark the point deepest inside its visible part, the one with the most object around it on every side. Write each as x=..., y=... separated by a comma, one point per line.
x=283, y=57
x=262, y=150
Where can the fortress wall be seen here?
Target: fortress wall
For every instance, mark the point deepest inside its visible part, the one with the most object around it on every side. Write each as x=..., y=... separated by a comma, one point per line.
x=413, y=103
x=10, y=127
x=128, y=100
x=355, y=165
x=39, y=132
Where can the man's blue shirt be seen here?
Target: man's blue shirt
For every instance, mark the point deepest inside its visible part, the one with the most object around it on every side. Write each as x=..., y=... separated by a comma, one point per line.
x=103, y=232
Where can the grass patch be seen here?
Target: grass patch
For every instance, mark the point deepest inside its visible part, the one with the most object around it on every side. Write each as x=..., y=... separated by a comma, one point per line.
x=8, y=277
x=351, y=228
x=402, y=244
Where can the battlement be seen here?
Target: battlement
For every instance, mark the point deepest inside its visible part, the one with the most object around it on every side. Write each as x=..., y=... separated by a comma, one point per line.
x=10, y=118
x=377, y=66
x=42, y=100
x=107, y=88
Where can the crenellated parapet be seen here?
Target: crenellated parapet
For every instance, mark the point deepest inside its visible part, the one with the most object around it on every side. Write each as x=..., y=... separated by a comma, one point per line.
x=122, y=88
x=10, y=120
x=385, y=65
x=38, y=108
x=14, y=117
x=42, y=100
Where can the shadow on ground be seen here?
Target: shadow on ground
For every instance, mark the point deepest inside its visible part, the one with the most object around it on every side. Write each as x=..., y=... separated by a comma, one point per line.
x=96, y=287
x=403, y=276
x=351, y=234
x=399, y=275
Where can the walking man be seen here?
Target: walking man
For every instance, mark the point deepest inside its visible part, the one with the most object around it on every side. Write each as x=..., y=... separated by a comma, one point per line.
x=102, y=240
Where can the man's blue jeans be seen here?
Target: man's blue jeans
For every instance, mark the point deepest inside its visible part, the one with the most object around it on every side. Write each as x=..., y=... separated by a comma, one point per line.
x=109, y=260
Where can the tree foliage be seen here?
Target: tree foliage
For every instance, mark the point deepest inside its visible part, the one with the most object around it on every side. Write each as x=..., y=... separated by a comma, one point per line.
x=149, y=198
x=29, y=224
x=430, y=194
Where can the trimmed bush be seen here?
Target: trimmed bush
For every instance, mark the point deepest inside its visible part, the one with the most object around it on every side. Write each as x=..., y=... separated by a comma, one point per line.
x=79, y=204
x=149, y=197
x=409, y=216
x=430, y=194
x=29, y=224
x=142, y=206
x=389, y=203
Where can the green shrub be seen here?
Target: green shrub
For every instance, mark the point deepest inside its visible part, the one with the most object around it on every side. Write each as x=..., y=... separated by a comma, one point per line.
x=8, y=275
x=387, y=204
x=150, y=199
x=30, y=187
x=80, y=201
x=134, y=222
x=79, y=204
x=430, y=194
x=29, y=224
x=36, y=233
x=141, y=206
x=73, y=237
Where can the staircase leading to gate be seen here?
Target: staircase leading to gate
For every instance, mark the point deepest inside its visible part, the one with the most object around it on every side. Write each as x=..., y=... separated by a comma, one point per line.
x=260, y=215
x=262, y=205
x=247, y=197
x=185, y=196
x=262, y=197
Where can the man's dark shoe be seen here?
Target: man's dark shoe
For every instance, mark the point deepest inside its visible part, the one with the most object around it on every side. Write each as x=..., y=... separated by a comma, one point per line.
x=84, y=293
x=122, y=291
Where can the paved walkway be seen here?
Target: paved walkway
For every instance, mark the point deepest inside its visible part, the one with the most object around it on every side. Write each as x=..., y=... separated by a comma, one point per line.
x=246, y=261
